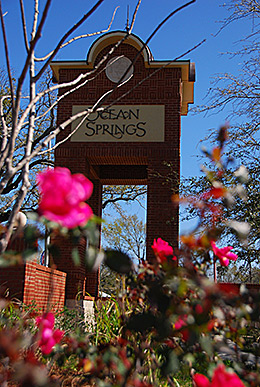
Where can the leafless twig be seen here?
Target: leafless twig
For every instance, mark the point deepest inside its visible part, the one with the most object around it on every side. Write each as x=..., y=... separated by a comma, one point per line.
x=7, y=55
x=81, y=37
x=24, y=26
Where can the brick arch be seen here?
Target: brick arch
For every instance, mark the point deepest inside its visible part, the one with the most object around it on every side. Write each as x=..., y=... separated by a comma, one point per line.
x=113, y=38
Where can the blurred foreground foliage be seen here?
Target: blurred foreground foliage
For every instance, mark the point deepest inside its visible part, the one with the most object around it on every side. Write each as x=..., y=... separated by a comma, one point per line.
x=169, y=319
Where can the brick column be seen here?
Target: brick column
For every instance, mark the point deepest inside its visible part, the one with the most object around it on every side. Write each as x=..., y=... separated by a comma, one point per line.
x=76, y=275
x=162, y=216
x=64, y=262
x=95, y=202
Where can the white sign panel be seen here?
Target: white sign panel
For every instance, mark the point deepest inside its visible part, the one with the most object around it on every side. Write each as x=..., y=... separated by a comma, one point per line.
x=121, y=123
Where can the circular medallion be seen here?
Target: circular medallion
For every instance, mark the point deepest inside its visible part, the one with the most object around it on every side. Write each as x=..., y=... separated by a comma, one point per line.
x=116, y=68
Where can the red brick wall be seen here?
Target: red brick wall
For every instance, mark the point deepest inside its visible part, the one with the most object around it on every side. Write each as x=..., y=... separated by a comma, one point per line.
x=45, y=286
x=35, y=283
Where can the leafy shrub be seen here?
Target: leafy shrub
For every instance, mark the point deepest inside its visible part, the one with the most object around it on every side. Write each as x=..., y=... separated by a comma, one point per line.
x=170, y=323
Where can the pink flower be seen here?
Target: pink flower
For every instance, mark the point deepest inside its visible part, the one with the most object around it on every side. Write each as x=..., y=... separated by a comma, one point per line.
x=220, y=378
x=224, y=254
x=201, y=381
x=180, y=322
x=63, y=197
x=49, y=337
x=180, y=325
x=162, y=250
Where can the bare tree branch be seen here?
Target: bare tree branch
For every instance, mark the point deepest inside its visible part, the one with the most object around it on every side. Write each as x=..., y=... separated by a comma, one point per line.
x=78, y=115
x=65, y=36
x=134, y=16
x=102, y=100
x=5, y=128
x=24, y=26
x=22, y=147
x=123, y=198
x=35, y=19
x=239, y=10
x=7, y=206
x=7, y=55
x=167, y=18
x=96, y=107
x=152, y=74
x=15, y=129
x=64, y=85
x=29, y=55
x=81, y=37
x=11, y=185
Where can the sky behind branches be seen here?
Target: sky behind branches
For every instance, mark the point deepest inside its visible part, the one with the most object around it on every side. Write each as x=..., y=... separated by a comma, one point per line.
x=187, y=28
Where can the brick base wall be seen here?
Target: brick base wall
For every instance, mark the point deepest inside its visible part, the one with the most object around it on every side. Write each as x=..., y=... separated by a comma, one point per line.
x=45, y=286
x=33, y=283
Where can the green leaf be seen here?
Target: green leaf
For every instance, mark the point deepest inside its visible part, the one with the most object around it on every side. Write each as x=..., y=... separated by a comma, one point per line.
x=9, y=258
x=91, y=233
x=206, y=345
x=33, y=216
x=93, y=258
x=99, y=259
x=171, y=364
x=30, y=234
x=90, y=257
x=118, y=261
x=29, y=253
x=75, y=256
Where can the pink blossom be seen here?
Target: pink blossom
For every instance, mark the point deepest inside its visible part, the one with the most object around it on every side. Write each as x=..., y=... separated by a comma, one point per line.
x=220, y=378
x=63, y=197
x=224, y=254
x=180, y=325
x=180, y=322
x=201, y=381
x=162, y=250
x=48, y=336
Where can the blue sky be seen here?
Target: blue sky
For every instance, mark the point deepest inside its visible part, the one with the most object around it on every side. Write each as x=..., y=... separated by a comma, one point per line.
x=197, y=22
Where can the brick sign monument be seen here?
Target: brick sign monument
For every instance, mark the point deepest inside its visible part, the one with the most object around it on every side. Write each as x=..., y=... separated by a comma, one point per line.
x=131, y=139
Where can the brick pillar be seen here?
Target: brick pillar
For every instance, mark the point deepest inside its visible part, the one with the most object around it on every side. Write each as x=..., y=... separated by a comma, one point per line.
x=64, y=262
x=95, y=202
x=76, y=275
x=162, y=216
